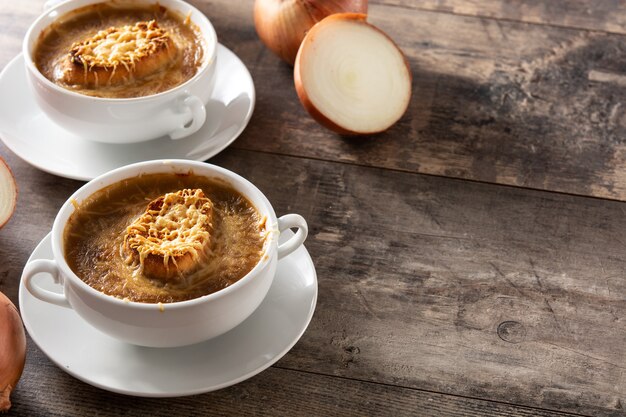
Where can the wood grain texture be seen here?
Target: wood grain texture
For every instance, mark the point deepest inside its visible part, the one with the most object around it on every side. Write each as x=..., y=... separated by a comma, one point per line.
x=450, y=286
x=599, y=15
x=275, y=392
x=504, y=102
x=495, y=298
x=282, y=390
x=493, y=101
x=434, y=284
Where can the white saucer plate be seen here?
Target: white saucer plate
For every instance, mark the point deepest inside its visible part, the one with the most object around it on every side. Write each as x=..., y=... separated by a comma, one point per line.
x=32, y=136
x=104, y=362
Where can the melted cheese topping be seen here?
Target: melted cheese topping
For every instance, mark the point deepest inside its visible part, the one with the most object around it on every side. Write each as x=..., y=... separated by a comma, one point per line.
x=120, y=45
x=173, y=225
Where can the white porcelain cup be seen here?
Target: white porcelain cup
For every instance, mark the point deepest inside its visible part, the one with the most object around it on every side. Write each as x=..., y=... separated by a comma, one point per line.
x=169, y=324
x=176, y=113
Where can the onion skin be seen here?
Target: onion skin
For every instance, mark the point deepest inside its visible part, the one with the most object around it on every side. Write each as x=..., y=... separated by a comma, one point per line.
x=282, y=24
x=12, y=350
x=304, y=97
x=13, y=186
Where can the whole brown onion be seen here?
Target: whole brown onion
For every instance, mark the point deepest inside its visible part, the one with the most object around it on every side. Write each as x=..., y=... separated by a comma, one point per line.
x=12, y=350
x=282, y=24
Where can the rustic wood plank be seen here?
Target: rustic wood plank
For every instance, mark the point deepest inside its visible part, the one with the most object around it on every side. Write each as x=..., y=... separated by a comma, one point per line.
x=15, y=18
x=504, y=102
x=460, y=287
x=275, y=392
x=599, y=15
x=494, y=101
x=428, y=283
x=435, y=284
x=46, y=390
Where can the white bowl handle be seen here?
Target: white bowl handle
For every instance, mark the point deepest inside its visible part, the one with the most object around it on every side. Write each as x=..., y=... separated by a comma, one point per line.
x=289, y=221
x=47, y=266
x=194, y=105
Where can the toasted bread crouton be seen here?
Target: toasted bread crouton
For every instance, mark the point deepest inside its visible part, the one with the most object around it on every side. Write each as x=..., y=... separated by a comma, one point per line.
x=173, y=236
x=119, y=55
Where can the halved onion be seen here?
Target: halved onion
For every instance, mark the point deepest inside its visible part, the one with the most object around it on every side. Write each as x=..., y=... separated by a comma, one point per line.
x=351, y=77
x=8, y=193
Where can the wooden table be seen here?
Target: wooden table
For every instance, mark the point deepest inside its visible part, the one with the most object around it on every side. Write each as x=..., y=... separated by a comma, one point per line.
x=471, y=260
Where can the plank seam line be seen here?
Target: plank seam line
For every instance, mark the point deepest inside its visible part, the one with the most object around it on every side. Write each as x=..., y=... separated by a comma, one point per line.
x=499, y=19
x=426, y=174
x=564, y=413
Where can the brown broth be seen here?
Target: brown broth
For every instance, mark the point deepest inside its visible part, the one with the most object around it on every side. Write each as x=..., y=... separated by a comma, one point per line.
x=55, y=42
x=94, y=235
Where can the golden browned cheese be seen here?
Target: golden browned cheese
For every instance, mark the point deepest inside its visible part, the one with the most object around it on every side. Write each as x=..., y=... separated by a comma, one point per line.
x=119, y=55
x=173, y=236
x=220, y=228
x=116, y=51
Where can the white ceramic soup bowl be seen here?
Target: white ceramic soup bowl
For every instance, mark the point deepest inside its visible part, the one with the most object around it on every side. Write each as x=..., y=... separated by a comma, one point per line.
x=168, y=324
x=177, y=112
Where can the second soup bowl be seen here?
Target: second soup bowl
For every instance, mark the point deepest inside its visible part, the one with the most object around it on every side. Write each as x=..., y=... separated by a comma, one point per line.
x=177, y=112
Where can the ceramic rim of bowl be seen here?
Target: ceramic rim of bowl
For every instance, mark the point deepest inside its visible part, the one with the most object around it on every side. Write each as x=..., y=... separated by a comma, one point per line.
x=175, y=166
